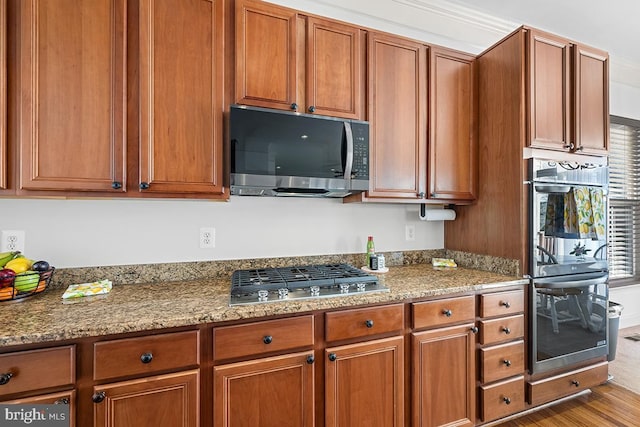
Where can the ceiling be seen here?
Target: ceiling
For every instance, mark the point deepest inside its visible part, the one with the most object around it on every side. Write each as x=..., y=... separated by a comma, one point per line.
x=608, y=25
x=474, y=25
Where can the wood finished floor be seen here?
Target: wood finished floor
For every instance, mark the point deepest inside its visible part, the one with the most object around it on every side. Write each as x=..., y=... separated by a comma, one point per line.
x=606, y=405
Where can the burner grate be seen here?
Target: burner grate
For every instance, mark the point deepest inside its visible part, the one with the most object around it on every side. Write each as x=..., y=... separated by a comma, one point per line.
x=244, y=282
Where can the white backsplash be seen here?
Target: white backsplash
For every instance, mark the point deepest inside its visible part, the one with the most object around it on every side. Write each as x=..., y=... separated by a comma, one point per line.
x=84, y=233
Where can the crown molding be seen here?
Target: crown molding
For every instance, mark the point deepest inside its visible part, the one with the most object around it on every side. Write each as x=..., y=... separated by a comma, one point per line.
x=463, y=14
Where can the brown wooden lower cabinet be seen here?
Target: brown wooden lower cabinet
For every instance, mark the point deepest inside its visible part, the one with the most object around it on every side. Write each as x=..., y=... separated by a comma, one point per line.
x=364, y=384
x=502, y=399
x=558, y=386
x=171, y=400
x=62, y=398
x=273, y=391
x=444, y=377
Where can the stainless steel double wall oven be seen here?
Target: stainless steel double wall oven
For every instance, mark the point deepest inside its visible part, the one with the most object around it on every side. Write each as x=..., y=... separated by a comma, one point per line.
x=568, y=261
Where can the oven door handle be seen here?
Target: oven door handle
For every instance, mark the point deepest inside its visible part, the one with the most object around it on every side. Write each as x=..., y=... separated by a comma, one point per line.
x=555, y=283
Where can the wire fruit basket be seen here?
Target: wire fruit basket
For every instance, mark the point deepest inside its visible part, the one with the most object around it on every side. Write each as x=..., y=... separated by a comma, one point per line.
x=26, y=285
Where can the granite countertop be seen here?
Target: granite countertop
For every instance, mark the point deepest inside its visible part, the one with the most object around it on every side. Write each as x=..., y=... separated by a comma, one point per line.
x=138, y=307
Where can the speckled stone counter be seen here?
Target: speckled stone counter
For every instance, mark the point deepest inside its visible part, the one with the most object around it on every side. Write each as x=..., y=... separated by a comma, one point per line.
x=139, y=307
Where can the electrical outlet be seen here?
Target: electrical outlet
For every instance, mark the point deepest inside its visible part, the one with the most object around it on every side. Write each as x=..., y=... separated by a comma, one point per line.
x=410, y=232
x=12, y=240
x=207, y=237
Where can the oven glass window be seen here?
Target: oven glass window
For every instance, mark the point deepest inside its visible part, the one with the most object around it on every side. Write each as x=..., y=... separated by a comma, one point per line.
x=570, y=320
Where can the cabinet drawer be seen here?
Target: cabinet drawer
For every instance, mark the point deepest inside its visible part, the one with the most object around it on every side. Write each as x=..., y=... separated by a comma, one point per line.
x=145, y=355
x=38, y=369
x=502, y=329
x=443, y=312
x=501, y=303
x=62, y=398
x=558, y=386
x=501, y=361
x=262, y=337
x=364, y=322
x=502, y=399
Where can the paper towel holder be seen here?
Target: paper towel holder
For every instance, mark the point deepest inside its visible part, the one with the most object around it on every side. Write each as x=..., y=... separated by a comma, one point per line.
x=445, y=214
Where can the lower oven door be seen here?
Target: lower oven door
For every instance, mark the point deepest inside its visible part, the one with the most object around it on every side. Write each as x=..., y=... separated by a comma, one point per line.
x=568, y=320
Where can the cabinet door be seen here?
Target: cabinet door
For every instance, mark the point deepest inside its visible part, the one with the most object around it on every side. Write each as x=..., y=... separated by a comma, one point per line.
x=72, y=100
x=444, y=373
x=549, y=91
x=452, y=142
x=181, y=96
x=62, y=398
x=276, y=391
x=266, y=45
x=398, y=113
x=364, y=384
x=591, y=100
x=169, y=401
x=3, y=95
x=335, y=64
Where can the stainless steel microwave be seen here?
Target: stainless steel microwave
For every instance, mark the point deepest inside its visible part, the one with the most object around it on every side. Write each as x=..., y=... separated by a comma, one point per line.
x=278, y=153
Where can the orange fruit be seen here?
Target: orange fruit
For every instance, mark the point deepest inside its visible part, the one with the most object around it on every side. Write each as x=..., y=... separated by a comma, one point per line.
x=6, y=293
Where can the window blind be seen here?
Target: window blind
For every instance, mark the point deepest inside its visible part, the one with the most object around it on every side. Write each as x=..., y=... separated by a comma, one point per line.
x=624, y=199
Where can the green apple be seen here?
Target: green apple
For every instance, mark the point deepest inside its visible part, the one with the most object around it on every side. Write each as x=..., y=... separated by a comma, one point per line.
x=27, y=281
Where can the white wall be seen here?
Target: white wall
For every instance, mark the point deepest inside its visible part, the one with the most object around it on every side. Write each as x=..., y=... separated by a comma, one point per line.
x=624, y=100
x=82, y=233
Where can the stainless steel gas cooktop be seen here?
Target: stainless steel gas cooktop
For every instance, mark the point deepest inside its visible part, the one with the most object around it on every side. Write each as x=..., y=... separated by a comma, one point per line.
x=309, y=281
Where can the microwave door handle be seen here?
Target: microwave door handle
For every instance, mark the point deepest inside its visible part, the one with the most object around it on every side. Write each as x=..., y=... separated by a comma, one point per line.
x=349, y=163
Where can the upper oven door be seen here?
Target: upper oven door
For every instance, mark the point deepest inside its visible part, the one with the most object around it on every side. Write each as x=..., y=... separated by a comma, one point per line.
x=568, y=217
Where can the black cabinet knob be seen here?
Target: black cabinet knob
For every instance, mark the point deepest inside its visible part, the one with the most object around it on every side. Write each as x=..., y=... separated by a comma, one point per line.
x=294, y=106
x=116, y=185
x=311, y=359
x=447, y=312
x=333, y=357
x=474, y=329
x=144, y=185
x=506, y=400
x=505, y=304
x=312, y=109
x=506, y=330
x=571, y=146
x=575, y=383
x=268, y=339
x=63, y=401
x=98, y=397
x=421, y=195
x=580, y=148
x=5, y=378
x=507, y=362
x=146, y=358
x=369, y=323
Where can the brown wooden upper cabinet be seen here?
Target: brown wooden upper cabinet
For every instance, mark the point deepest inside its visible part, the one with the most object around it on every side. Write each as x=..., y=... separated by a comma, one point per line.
x=569, y=95
x=3, y=95
x=72, y=95
x=397, y=78
x=288, y=61
x=452, y=137
x=181, y=87
x=422, y=114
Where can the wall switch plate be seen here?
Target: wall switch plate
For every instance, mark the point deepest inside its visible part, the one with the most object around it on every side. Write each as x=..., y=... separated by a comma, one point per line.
x=207, y=237
x=410, y=232
x=12, y=240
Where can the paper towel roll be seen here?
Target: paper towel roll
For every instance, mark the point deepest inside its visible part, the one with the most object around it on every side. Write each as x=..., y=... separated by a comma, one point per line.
x=437, y=215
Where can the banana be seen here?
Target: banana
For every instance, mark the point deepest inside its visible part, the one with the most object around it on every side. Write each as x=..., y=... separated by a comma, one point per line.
x=5, y=257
